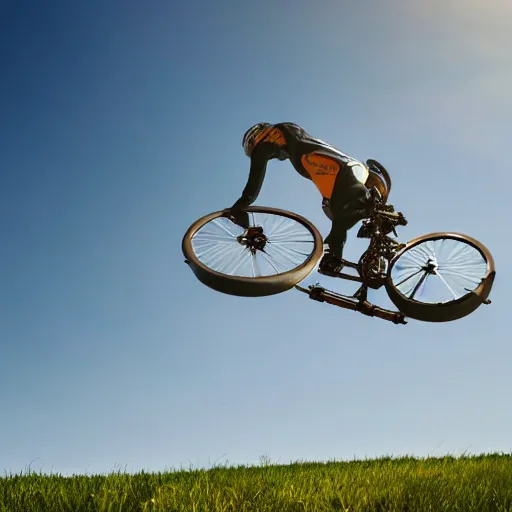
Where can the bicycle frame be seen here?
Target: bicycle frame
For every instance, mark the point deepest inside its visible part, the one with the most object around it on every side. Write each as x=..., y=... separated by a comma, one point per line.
x=372, y=265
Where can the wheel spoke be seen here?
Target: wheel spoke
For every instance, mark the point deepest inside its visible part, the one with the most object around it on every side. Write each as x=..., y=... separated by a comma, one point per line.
x=281, y=252
x=284, y=242
x=457, y=252
x=227, y=262
x=212, y=250
x=256, y=272
x=464, y=267
x=425, y=252
x=463, y=276
x=281, y=227
x=417, y=287
x=446, y=284
x=258, y=269
x=269, y=260
x=223, y=260
x=222, y=226
x=212, y=237
x=291, y=249
x=244, y=254
x=289, y=235
x=415, y=258
x=409, y=277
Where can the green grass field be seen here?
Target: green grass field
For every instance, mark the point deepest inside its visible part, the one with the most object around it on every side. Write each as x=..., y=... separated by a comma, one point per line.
x=472, y=483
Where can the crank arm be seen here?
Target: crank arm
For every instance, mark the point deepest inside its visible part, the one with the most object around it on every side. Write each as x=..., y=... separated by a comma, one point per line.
x=349, y=264
x=341, y=275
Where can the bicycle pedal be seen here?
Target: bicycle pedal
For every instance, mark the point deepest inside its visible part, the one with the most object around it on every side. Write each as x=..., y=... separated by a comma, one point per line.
x=349, y=264
x=329, y=273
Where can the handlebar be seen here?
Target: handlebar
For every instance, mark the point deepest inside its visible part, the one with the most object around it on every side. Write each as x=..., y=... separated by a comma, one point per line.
x=392, y=316
x=320, y=294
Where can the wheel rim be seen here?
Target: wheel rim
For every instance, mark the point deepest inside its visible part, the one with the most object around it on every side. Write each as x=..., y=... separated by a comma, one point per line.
x=281, y=245
x=439, y=271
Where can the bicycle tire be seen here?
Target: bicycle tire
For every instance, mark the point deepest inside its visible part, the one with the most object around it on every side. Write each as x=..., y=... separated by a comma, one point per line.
x=251, y=286
x=443, y=311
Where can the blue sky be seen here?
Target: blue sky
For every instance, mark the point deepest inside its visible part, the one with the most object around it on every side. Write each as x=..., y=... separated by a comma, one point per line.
x=122, y=124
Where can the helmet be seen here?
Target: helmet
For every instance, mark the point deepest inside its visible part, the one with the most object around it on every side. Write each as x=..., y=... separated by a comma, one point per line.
x=378, y=177
x=253, y=135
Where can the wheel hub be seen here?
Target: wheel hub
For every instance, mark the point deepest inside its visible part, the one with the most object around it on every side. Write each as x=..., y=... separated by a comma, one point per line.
x=431, y=266
x=253, y=238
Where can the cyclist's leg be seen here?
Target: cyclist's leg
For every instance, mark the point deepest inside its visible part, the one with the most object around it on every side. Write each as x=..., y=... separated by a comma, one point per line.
x=326, y=207
x=343, y=220
x=348, y=206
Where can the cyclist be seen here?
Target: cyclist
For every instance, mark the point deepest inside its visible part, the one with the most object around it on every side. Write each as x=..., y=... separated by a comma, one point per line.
x=343, y=181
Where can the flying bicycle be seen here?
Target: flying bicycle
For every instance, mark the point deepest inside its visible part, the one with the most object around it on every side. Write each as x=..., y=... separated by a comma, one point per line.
x=437, y=277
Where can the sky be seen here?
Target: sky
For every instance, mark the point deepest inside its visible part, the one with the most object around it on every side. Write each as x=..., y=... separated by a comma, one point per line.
x=121, y=124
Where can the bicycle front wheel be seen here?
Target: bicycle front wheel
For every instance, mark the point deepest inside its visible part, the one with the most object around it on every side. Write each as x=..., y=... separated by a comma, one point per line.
x=440, y=277
x=279, y=249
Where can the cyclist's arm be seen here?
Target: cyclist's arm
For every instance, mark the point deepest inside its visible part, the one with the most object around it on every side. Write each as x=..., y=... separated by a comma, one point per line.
x=255, y=181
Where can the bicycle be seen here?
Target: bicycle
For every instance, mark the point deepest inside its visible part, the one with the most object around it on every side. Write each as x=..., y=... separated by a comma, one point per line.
x=437, y=277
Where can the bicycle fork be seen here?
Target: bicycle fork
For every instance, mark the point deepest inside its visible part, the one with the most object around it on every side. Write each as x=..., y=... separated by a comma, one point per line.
x=353, y=303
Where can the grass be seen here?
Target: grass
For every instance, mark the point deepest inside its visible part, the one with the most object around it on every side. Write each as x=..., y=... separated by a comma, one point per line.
x=470, y=483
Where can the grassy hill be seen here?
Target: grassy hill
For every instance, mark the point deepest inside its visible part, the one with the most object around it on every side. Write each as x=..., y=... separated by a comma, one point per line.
x=472, y=483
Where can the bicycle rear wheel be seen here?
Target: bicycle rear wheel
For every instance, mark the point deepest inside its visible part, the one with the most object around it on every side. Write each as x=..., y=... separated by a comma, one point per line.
x=440, y=277
x=278, y=250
